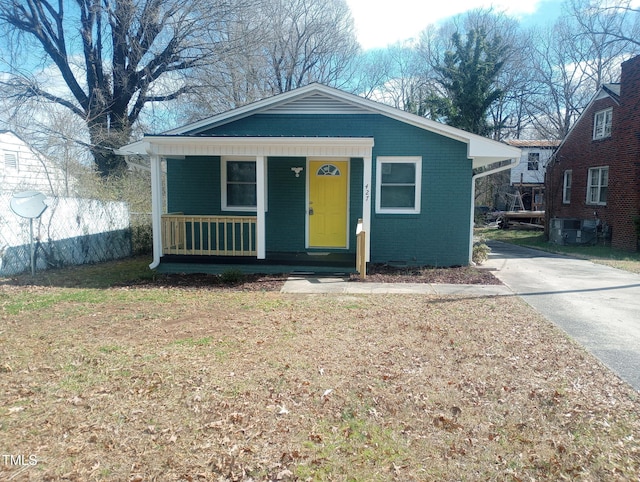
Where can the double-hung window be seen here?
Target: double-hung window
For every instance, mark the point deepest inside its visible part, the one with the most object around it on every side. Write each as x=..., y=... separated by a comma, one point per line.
x=398, y=184
x=239, y=184
x=533, y=161
x=602, y=124
x=566, y=187
x=597, y=185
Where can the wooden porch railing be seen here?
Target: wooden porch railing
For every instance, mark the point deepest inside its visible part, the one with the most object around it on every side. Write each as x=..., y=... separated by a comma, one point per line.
x=209, y=235
x=361, y=264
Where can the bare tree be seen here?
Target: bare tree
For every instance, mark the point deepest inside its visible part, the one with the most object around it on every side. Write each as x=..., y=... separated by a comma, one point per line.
x=114, y=57
x=373, y=69
x=273, y=46
x=570, y=61
x=490, y=32
x=608, y=21
x=313, y=41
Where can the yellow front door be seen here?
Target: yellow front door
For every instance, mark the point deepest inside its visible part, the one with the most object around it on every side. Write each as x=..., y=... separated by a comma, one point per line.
x=328, y=187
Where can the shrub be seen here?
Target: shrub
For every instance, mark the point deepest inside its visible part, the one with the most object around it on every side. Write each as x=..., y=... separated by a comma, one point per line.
x=232, y=277
x=141, y=239
x=480, y=253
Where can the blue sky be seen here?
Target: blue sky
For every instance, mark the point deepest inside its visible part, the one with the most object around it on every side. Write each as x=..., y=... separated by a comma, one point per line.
x=378, y=25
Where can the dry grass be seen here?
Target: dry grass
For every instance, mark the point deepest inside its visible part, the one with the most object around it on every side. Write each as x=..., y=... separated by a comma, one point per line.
x=180, y=383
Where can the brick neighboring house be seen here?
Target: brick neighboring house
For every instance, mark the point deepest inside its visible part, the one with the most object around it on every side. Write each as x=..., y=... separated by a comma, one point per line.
x=593, y=181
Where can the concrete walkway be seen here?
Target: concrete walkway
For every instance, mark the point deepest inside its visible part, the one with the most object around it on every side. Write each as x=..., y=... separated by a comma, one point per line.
x=310, y=285
x=596, y=305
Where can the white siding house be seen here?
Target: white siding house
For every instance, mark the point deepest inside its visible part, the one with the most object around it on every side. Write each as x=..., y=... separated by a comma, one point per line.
x=24, y=169
x=528, y=176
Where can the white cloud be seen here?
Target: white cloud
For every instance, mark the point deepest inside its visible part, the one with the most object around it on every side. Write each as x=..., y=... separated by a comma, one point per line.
x=378, y=25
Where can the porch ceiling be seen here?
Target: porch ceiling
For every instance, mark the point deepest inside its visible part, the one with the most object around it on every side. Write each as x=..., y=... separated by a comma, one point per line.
x=167, y=146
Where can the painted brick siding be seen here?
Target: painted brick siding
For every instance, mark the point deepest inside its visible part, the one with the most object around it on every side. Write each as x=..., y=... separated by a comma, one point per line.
x=194, y=187
x=285, y=215
x=620, y=152
x=439, y=235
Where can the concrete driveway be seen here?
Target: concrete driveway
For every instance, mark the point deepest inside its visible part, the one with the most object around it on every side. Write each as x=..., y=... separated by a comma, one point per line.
x=596, y=305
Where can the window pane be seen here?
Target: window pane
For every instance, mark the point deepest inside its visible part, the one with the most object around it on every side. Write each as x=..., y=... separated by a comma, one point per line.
x=397, y=196
x=241, y=195
x=603, y=195
x=241, y=171
x=398, y=172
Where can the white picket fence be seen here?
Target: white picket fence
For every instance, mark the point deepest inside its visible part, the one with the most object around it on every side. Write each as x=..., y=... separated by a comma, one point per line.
x=71, y=231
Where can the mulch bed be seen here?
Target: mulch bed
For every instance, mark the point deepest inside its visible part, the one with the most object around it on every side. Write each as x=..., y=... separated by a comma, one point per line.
x=376, y=274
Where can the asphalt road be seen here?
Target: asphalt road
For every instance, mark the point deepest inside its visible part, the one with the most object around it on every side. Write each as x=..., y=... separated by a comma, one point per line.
x=596, y=305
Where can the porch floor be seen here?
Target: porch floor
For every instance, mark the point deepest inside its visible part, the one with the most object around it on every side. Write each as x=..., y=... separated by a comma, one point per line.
x=305, y=262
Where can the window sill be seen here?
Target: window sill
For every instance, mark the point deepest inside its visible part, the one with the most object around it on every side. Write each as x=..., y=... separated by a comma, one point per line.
x=403, y=212
x=239, y=209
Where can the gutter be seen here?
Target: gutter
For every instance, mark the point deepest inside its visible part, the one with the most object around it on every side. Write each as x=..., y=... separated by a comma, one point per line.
x=513, y=163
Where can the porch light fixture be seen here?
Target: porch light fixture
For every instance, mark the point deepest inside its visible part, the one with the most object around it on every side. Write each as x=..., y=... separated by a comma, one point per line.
x=297, y=170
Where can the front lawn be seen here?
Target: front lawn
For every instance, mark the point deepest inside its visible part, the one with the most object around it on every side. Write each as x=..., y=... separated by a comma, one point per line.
x=104, y=379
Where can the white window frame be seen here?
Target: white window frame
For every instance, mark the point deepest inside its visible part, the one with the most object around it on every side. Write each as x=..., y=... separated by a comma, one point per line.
x=223, y=183
x=597, y=188
x=602, y=121
x=566, y=186
x=530, y=162
x=417, y=161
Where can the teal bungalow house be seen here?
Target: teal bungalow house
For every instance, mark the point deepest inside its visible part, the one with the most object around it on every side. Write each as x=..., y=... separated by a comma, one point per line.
x=284, y=184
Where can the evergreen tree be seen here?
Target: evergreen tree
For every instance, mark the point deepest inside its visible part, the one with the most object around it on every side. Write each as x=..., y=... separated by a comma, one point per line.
x=468, y=75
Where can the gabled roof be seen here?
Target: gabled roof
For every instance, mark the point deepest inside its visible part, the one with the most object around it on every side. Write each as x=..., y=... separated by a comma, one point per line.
x=611, y=91
x=320, y=99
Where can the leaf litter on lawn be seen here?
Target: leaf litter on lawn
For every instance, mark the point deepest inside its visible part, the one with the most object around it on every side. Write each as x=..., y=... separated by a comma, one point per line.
x=223, y=385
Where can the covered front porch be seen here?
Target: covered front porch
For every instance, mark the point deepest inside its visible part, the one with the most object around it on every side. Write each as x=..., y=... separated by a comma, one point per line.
x=215, y=244
x=274, y=233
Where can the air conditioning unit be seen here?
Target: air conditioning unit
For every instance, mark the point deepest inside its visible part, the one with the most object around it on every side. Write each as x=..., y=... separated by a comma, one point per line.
x=561, y=223
x=573, y=231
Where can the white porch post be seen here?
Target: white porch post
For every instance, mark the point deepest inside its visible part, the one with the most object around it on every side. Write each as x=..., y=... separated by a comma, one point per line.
x=260, y=208
x=367, y=188
x=156, y=208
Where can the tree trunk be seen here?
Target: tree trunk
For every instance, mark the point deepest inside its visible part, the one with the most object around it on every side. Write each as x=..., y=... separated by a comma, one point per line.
x=103, y=143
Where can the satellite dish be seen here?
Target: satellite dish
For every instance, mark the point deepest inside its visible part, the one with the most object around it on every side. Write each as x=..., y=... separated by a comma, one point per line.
x=28, y=204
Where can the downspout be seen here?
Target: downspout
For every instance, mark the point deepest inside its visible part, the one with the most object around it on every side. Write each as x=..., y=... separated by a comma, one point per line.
x=513, y=163
x=156, y=209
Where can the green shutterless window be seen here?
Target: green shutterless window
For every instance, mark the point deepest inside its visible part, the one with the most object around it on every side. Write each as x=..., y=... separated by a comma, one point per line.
x=398, y=188
x=398, y=185
x=241, y=184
